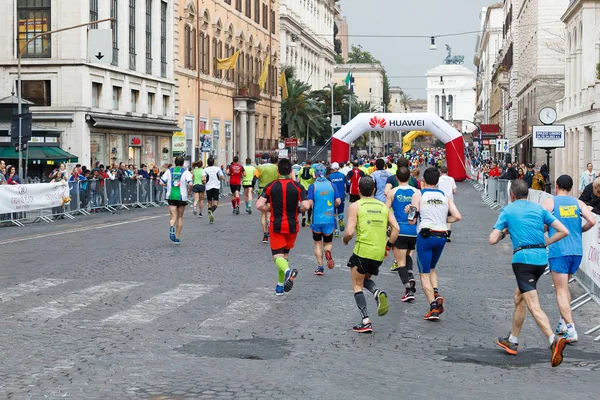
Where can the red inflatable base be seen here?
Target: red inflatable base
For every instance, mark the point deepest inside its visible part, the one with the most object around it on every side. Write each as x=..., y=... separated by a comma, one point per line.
x=340, y=151
x=455, y=159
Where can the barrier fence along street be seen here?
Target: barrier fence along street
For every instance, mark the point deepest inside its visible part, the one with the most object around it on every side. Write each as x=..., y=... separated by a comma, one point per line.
x=496, y=193
x=96, y=195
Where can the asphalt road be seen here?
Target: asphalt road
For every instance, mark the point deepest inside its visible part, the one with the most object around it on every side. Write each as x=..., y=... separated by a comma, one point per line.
x=106, y=307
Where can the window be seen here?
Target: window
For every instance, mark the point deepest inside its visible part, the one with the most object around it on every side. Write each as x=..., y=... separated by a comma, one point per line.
x=249, y=8
x=94, y=13
x=135, y=96
x=205, y=54
x=166, y=105
x=37, y=92
x=272, y=21
x=238, y=5
x=151, y=103
x=116, y=98
x=217, y=53
x=114, y=25
x=132, y=34
x=163, y=39
x=186, y=46
x=265, y=23
x=189, y=41
x=34, y=18
x=257, y=11
x=96, y=94
x=149, y=37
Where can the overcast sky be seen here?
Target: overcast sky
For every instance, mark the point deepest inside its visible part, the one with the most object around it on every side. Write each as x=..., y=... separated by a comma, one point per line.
x=403, y=56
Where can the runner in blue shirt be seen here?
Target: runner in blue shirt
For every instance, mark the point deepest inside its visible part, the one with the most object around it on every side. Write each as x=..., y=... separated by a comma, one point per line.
x=340, y=182
x=525, y=221
x=565, y=256
x=380, y=176
x=323, y=197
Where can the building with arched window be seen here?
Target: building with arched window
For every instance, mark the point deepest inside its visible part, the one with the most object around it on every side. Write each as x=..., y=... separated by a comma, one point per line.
x=227, y=106
x=579, y=109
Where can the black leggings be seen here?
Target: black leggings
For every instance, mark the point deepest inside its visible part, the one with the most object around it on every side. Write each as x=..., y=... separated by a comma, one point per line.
x=527, y=276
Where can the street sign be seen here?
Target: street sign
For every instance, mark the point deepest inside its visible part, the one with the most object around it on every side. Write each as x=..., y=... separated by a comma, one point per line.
x=283, y=153
x=502, y=146
x=178, y=144
x=548, y=136
x=505, y=146
x=100, y=46
x=336, y=121
x=291, y=142
x=26, y=124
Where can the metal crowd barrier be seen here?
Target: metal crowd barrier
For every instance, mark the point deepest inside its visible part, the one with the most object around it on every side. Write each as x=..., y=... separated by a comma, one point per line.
x=496, y=192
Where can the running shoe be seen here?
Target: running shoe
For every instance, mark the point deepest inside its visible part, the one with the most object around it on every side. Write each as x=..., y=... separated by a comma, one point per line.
x=432, y=315
x=329, y=258
x=571, y=336
x=177, y=241
x=440, y=302
x=363, y=328
x=290, y=275
x=249, y=210
x=342, y=225
x=265, y=238
x=200, y=215
x=319, y=271
x=303, y=221
x=394, y=266
x=561, y=329
x=408, y=296
x=510, y=348
x=557, y=348
x=233, y=210
x=336, y=233
x=448, y=240
x=172, y=233
x=279, y=291
x=237, y=210
x=195, y=210
x=382, y=303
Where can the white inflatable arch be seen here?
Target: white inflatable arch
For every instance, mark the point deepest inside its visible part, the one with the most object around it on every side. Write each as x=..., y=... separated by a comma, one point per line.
x=455, y=147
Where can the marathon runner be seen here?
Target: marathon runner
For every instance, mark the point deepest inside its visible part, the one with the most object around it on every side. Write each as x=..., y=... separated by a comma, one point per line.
x=392, y=181
x=397, y=200
x=212, y=178
x=524, y=221
x=236, y=173
x=435, y=210
x=281, y=198
x=198, y=188
x=266, y=173
x=178, y=181
x=380, y=176
x=306, y=179
x=296, y=170
x=448, y=186
x=339, y=181
x=248, y=184
x=565, y=256
x=353, y=178
x=370, y=218
x=323, y=197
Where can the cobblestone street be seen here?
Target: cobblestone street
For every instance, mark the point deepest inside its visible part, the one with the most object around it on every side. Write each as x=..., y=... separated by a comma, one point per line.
x=106, y=307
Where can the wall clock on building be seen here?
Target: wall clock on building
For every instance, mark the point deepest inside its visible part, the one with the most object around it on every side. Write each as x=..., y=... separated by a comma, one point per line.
x=547, y=115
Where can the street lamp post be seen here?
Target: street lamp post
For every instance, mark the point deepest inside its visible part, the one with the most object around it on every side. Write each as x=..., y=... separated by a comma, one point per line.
x=19, y=101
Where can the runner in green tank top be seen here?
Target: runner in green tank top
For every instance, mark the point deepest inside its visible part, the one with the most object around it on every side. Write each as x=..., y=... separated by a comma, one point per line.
x=248, y=184
x=198, y=188
x=370, y=218
x=266, y=173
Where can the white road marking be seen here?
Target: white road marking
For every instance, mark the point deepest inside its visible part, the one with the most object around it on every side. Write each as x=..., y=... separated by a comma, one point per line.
x=78, y=300
x=242, y=312
x=87, y=228
x=161, y=304
x=29, y=287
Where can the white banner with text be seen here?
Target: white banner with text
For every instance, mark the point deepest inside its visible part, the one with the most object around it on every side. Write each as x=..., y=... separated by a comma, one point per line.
x=23, y=198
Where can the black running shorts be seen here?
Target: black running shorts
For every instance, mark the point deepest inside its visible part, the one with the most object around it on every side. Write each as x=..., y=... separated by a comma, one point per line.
x=527, y=276
x=235, y=188
x=198, y=189
x=406, y=242
x=177, y=203
x=212, y=194
x=364, y=265
x=354, y=197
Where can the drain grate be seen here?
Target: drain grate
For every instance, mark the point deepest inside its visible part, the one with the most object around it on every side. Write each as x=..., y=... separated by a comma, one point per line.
x=245, y=349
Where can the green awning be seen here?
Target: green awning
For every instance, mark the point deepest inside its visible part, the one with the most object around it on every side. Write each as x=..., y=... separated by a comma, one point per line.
x=38, y=153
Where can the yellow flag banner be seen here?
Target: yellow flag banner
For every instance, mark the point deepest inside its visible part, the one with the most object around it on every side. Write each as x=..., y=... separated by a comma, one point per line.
x=229, y=62
x=282, y=81
x=264, y=74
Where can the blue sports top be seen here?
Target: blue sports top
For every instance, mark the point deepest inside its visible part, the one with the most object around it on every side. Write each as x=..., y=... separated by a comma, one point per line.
x=323, y=195
x=403, y=197
x=567, y=211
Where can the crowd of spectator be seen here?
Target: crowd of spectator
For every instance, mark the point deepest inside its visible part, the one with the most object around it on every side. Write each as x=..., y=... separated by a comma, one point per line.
x=536, y=177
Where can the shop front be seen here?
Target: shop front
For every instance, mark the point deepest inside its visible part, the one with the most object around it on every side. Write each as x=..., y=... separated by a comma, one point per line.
x=119, y=140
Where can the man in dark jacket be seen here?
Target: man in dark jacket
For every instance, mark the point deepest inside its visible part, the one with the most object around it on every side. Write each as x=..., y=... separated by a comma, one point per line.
x=529, y=175
x=591, y=196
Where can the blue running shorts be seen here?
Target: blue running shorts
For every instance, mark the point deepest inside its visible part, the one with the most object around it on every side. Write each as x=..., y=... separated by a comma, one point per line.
x=565, y=264
x=429, y=251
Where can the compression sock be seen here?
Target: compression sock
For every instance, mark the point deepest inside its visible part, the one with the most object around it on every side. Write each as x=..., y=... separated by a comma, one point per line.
x=370, y=286
x=403, y=272
x=213, y=208
x=282, y=266
x=233, y=202
x=237, y=200
x=361, y=303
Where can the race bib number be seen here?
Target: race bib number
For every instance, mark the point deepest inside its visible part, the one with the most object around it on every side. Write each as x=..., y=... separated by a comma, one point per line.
x=568, y=211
